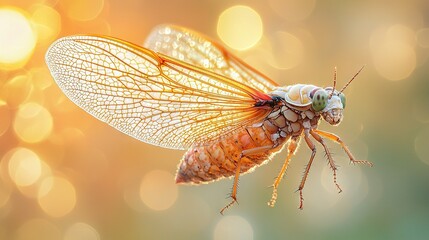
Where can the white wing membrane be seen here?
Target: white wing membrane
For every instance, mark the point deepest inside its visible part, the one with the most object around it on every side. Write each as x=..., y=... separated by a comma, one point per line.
x=149, y=96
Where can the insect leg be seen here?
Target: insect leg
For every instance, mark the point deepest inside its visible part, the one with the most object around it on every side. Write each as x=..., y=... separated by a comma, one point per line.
x=293, y=144
x=337, y=139
x=238, y=170
x=330, y=159
x=307, y=168
x=234, y=187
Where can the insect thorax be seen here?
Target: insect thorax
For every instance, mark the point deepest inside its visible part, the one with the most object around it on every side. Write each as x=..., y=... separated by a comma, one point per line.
x=285, y=121
x=293, y=114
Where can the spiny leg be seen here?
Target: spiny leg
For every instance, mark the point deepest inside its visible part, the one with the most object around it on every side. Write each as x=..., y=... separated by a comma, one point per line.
x=329, y=156
x=234, y=187
x=291, y=150
x=238, y=171
x=307, y=168
x=337, y=139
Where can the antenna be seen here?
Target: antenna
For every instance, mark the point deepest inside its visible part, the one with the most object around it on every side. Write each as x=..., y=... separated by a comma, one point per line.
x=335, y=82
x=347, y=84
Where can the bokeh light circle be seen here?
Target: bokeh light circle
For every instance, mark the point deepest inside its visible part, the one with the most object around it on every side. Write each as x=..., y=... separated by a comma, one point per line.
x=240, y=27
x=393, y=52
x=233, y=228
x=17, y=39
x=81, y=231
x=32, y=191
x=394, y=61
x=33, y=123
x=158, y=190
x=57, y=196
x=24, y=167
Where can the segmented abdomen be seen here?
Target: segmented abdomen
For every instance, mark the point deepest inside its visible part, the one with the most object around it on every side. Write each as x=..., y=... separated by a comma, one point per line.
x=220, y=158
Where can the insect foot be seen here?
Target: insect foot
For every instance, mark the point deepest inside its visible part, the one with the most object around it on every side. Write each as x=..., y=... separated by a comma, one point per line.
x=362, y=162
x=234, y=200
x=272, y=202
x=301, y=200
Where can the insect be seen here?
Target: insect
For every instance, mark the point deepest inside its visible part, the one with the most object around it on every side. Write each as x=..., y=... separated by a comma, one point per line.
x=182, y=90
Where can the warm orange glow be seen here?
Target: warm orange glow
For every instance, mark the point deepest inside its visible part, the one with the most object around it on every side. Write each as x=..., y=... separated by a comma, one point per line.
x=289, y=50
x=40, y=78
x=64, y=175
x=38, y=228
x=83, y=10
x=47, y=22
x=295, y=10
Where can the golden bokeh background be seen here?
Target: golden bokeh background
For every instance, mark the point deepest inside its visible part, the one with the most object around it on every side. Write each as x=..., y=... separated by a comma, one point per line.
x=65, y=175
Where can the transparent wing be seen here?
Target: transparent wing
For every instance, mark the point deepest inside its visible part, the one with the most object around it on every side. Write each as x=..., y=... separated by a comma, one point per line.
x=150, y=96
x=194, y=48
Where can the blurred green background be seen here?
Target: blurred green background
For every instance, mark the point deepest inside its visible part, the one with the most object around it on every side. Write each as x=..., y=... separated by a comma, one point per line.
x=65, y=175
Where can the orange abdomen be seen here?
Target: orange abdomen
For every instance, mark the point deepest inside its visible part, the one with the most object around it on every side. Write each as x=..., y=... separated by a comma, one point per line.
x=219, y=159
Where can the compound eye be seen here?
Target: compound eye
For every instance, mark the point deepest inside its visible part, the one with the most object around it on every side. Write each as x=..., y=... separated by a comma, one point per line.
x=343, y=99
x=320, y=99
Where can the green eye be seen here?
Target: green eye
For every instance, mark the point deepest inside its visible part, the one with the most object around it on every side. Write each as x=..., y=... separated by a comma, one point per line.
x=343, y=99
x=320, y=99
